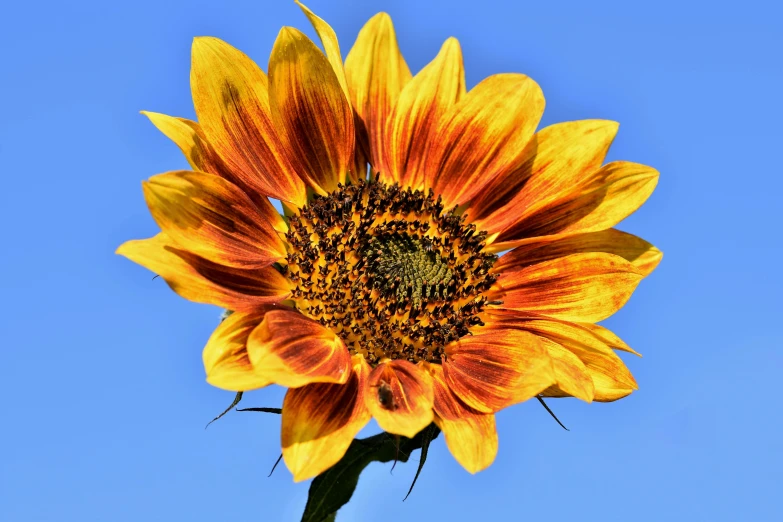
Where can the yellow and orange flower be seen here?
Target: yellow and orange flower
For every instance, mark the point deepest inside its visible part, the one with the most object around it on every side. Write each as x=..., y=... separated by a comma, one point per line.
x=379, y=294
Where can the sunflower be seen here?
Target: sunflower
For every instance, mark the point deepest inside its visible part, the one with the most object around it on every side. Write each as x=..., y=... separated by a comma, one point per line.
x=379, y=292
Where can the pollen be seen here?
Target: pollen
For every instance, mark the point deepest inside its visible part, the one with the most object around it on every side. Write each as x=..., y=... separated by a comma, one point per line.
x=389, y=270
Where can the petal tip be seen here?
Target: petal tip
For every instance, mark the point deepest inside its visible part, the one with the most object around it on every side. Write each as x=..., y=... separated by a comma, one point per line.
x=122, y=250
x=289, y=32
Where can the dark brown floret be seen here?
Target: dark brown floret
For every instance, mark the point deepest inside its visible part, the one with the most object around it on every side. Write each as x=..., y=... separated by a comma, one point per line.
x=389, y=270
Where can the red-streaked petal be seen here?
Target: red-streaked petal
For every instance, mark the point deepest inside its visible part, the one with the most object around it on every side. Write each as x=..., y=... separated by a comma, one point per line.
x=422, y=103
x=581, y=287
x=311, y=108
x=637, y=251
x=209, y=216
x=193, y=143
x=320, y=421
x=291, y=350
x=361, y=154
x=203, y=281
x=553, y=163
x=597, y=202
x=484, y=136
x=225, y=356
x=231, y=98
x=376, y=73
x=470, y=435
x=497, y=368
x=400, y=397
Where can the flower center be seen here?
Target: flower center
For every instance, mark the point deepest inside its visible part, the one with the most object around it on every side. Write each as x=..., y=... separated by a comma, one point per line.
x=388, y=270
x=403, y=267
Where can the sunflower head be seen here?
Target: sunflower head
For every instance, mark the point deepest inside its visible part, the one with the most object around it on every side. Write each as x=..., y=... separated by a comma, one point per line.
x=379, y=292
x=392, y=272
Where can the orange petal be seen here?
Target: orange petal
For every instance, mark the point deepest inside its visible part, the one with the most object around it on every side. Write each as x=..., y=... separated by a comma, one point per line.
x=225, y=355
x=641, y=254
x=484, y=135
x=552, y=164
x=212, y=218
x=495, y=369
x=376, y=73
x=470, y=435
x=291, y=350
x=400, y=397
x=422, y=103
x=192, y=141
x=232, y=104
x=203, y=281
x=611, y=378
x=320, y=421
x=331, y=46
x=581, y=287
x=596, y=202
x=310, y=107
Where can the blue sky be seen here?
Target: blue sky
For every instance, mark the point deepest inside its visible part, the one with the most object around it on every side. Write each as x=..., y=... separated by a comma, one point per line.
x=103, y=394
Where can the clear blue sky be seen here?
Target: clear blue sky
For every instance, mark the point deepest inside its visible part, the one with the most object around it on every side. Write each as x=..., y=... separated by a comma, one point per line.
x=103, y=398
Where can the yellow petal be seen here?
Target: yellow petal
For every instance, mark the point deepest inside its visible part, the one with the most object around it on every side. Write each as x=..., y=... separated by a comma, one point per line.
x=291, y=350
x=192, y=141
x=581, y=287
x=497, y=368
x=232, y=104
x=210, y=217
x=608, y=388
x=470, y=435
x=400, y=397
x=320, y=421
x=202, y=281
x=622, y=187
x=376, y=73
x=420, y=106
x=484, y=135
x=310, y=107
x=225, y=356
x=641, y=254
x=611, y=378
x=609, y=337
x=552, y=164
x=331, y=46
x=571, y=375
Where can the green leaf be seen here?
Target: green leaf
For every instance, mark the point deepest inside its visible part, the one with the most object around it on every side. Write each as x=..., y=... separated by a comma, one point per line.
x=333, y=488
